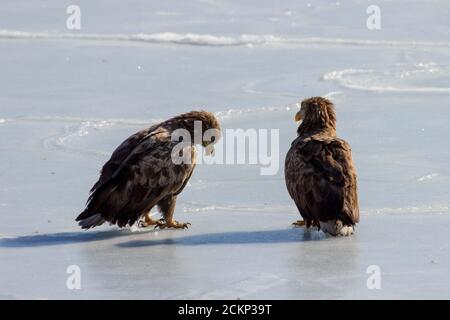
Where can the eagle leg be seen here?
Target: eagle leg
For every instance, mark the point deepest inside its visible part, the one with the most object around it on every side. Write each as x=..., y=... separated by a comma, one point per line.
x=307, y=223
x=167, y=207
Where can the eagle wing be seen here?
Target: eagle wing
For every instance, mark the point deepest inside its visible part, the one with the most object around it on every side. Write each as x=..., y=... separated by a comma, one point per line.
x=139, y=174
x=321, y=179
x=120, y=154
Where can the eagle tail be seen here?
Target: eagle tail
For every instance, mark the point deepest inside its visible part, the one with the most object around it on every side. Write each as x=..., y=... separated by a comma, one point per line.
x=91, y=217
x=86, y=220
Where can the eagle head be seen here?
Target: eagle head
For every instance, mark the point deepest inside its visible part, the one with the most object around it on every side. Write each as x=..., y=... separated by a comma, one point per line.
x=211, y=132
x=316, y=113
x=203, y=127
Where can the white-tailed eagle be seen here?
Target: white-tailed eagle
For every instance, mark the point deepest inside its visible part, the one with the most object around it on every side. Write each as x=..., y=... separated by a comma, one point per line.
x=319, y=171
x=142, y=173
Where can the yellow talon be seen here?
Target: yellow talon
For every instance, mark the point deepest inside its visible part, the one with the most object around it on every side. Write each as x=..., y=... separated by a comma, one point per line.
x=299, y=223
x=172, y=224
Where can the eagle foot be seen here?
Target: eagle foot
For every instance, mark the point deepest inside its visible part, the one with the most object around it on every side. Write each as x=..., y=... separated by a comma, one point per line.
x=299, y=223
x=148, y=221
x=162, y=224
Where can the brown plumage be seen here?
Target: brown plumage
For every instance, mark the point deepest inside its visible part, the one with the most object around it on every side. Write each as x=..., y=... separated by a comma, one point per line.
x=319, y=171
x=141, y=174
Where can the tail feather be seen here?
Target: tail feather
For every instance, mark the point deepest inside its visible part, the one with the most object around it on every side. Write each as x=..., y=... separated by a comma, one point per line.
x=90, y=217
x=90, y=221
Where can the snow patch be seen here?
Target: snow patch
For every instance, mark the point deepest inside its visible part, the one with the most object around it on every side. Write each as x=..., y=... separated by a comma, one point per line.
x=423, y=209
x=399, y=78
x=427, y=177
x=164, y=37
x=216, y=40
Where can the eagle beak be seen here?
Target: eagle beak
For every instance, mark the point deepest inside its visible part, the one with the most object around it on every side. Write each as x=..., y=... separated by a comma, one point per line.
x=209, y=150
x=298, y=116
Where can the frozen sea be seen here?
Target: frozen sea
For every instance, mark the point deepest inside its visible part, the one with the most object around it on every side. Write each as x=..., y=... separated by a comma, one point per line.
x=69, y=97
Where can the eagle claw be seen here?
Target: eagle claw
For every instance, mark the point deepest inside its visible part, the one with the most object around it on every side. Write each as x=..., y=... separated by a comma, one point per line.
x=299, y=223
x=162, y=224
x=148, y=221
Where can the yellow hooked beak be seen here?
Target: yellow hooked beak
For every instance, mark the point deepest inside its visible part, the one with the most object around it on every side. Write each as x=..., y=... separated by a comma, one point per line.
x=209, y=150
x=298, y=116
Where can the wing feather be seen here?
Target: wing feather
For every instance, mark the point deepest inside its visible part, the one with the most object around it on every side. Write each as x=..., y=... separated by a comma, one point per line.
x=321, y=179
x=138, y=175
x=121, y=153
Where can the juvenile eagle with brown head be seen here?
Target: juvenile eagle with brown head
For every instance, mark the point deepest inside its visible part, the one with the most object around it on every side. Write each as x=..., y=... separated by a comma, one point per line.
x=319, y=171
x=150, y=169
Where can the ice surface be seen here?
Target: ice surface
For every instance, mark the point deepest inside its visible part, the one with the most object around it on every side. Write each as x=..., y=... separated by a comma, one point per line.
x=69, y=98
x=232, y=255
